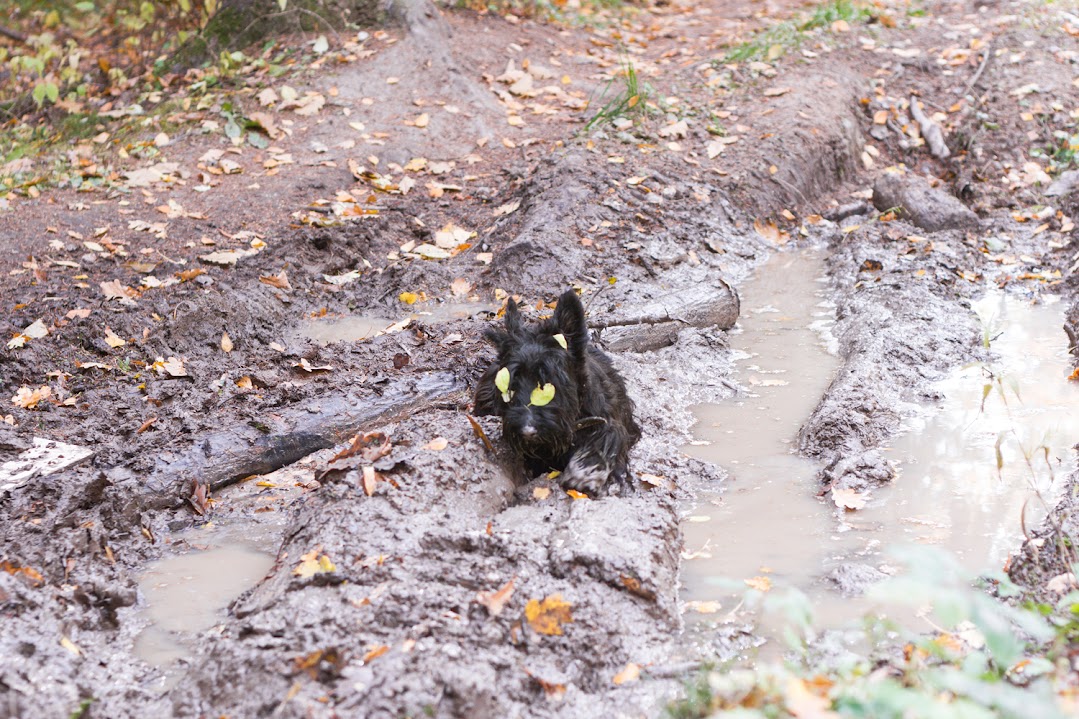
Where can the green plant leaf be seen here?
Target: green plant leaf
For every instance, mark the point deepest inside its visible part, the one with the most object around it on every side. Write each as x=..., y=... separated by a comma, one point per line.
x=542, y=396
x=561, y=339
x=502, y=382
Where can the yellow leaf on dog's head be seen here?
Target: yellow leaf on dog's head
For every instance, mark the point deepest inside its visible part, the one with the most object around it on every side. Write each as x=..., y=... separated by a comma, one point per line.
x=542, y=396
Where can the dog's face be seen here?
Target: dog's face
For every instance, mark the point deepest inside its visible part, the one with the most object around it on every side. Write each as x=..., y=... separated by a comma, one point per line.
x=534, y=385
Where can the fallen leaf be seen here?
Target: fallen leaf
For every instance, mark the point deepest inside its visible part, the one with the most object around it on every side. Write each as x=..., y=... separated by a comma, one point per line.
x=848, y=498
x=280, y=280
x=496, y=601
x=173, y=366
x=375, y=653
x=36, y=330
x=226, y=342
x=114, y=290
x=370, y=480
x=308, y=367
x=81, y=313
x=460, y=287
x=437, y=444
x=508, y=208
x=761, y=584
x=409, y=298
x=313, y=563
x=70, y=646
x=574, y=494
x=548, y=616
x=541, y=493
x=29, y=398
x=112, y=339
x=703, y=606
x=629, y=674
x=227, y=257
x=776, y=91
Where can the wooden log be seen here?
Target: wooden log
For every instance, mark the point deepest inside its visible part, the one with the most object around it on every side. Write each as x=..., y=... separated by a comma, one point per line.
x=656, y=323
x=226, y=457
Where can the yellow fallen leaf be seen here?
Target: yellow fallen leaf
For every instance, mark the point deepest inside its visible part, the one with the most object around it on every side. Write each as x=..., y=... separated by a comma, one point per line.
x=548, y=616
x=226, y=342
x=706, y=606
x=577, y=495
x=313, y=563
x=629, y=674
x=761, y=584
x=409, y=298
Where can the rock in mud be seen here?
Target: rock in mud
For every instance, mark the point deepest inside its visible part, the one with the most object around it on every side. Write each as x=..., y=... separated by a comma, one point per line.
x=925, y=206
x=852, y=579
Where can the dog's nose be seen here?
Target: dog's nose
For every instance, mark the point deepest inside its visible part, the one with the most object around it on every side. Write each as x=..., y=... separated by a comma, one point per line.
x=528, y=430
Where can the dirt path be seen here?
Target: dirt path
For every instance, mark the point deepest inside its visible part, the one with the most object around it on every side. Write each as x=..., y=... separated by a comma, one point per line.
x=456, y=183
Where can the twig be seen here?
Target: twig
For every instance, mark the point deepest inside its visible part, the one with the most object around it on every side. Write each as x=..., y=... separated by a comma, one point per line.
x=13, y=35
x=981, y=68
x=934, y=136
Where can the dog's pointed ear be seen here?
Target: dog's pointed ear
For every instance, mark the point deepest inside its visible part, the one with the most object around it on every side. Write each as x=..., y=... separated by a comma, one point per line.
x=569, y=317
x=513, y=317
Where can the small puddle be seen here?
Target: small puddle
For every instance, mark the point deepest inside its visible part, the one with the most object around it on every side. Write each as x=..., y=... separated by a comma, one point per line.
x=356, y=328
x=948, y=491
x=189, y=591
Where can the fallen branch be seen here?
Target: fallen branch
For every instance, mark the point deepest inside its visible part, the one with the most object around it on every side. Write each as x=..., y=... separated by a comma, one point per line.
x=656, y=324
x=934, y=136
x=227, y=457
x=13, y=35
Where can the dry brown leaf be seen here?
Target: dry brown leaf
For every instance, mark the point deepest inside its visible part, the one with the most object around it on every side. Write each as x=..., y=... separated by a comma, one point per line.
x=280, y=280
x=460, y=287
x=226, y=342
x=29, y=398
x=81, y=313
x=112, y=339
x=370, y=480
x=496, y=601
x=375, y=653
x=848, y=498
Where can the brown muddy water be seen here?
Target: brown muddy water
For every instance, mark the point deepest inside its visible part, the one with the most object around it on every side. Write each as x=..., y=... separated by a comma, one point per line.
x=188, y=592
x=948, y=491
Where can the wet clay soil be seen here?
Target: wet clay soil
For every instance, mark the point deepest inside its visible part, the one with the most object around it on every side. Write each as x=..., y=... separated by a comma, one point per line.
x=354, y=600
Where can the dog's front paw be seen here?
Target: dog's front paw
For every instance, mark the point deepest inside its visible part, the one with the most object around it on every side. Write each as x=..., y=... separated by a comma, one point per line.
x=587, y=474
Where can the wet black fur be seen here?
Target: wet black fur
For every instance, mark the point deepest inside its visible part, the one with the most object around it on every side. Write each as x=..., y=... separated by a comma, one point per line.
x=587, y=430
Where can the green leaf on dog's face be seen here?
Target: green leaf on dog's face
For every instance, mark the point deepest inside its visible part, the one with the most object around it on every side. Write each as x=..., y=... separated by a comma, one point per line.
x=561, y=339
x=502, y=382
x=542, y=395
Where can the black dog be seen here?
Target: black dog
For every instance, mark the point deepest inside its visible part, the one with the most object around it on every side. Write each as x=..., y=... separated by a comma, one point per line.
x=563, y=405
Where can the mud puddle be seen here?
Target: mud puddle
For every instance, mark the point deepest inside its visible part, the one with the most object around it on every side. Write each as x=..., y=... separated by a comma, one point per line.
x=355, y=328
x=769, y=523
x=948, y=491
x=189, y=591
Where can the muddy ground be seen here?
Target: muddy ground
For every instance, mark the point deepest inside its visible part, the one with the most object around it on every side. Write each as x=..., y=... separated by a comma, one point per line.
x=628, y=215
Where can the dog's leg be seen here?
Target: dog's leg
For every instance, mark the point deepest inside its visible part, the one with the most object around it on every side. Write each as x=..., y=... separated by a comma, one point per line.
x=599, y=454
